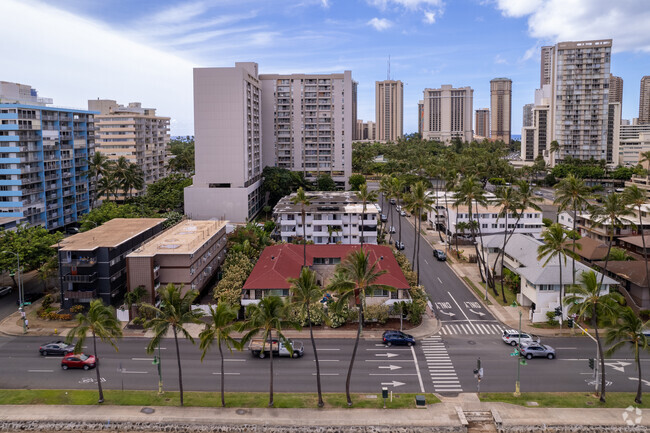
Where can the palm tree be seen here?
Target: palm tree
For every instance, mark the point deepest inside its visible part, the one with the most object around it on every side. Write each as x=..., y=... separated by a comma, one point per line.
x=554, y=148
x=635, y=197
x=120, y=170
x=588, y=303
x=100, y=321
x=419, y=202
x=305, y=293
x=612, y=213
x=265, y=317
x=302, y=199
x=133, y=179
x=629, y=328
x=133, y=297
x=366, y=197
x=107, y=185
x=356, y=277
x=97, y=167
x=508, y=200
x=175, y=311
x=572, y=193
x=555, y=240
x=397, y=191
x=219, y=330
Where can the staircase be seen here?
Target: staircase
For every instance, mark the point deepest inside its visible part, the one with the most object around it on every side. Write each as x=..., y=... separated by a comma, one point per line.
x=479, y=421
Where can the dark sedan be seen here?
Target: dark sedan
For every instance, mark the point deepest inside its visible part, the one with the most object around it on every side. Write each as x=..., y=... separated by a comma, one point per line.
x=398, y=338
x=55, y=348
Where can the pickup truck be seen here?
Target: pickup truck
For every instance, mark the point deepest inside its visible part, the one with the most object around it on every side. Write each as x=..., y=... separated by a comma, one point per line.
x=279, y=348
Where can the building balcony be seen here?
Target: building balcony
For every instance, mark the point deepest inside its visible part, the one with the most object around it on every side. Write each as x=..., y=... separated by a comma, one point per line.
x=70, y=278
x=81, y=294
x=82, y=262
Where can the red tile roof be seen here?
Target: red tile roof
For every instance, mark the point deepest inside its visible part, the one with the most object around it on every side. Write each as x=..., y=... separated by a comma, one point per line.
x=278, y=263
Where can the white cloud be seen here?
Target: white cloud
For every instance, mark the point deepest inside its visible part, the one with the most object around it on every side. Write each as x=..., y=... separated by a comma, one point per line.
x=325, y=3
x=625, y=22
x=408, y=4
x=499, y=60
x=380, y=24
x=429, y=17
x=72, y=59
x=180, y=13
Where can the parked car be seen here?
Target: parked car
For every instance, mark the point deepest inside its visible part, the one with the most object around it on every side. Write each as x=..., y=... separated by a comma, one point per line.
x=384, y=218
x=535, y=350
x=56, y=348
x=399, y=208
x=512, y=337
x=392, y=229
x=403, y=213
x=78, y=360
x=440, y=255
x=72, y=230
x=5, y=290
x=398, y=338
x=392, y=201
x=399, y=245
x=261, y=348
x=30, y=297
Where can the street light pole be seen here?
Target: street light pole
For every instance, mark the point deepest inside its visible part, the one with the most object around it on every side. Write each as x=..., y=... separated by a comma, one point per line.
x=21, y=295
x=517, y=387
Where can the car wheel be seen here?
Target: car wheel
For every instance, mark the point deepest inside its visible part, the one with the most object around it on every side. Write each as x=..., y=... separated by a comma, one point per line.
x=65, y=367
x=513, y=343
x=550, y=356
x=529, y=356
x=388, y=344
x=43, y=352
x=86, y=367
x=409, y=344
x=296, y=354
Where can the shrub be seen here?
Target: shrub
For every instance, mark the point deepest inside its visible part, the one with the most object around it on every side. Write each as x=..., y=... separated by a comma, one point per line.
x=299, y=315
x=47, y=301
x=65, y=316
x=42, y=313
x=338, y=316
x=377, y=312
x=76, y=309
x=550, y=315
x=418, y=305
x=52, y=315
x=645, y=315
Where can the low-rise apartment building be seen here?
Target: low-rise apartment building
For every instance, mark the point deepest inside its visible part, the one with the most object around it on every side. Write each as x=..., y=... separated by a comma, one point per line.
x=588, y=227
x=187, y=255
x=92, y=263
x=331, y=217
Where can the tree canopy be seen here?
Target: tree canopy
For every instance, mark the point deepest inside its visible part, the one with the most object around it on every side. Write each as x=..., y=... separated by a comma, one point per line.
x=32, y=244
x=182, y=151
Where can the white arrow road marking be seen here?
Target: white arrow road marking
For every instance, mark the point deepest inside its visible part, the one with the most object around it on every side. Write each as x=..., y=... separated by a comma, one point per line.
x=387, y=355
x=476, y=312
x=391, y=367
x=393, y=383
x=618, y=365
x=645, y=382
x=392, y=348
x=447, y=314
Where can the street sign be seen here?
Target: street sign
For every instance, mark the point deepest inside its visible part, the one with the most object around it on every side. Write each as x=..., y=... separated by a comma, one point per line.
x=27, y=303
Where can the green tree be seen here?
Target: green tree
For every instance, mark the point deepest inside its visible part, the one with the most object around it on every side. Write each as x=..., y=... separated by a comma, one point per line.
x=635, y=197
x=366, y=197
x=324, y=182
x=266, y=317
x=166, y=194
x=628, y=330
x=133, y=179
x=588, y=302
x=100, y=322
x=508, y=200
x=175, y=311
x=355, y=278
x=181, y=150
x=97, y=167
x=355, y=181
x=280, y=182
x=134, y=297
x=619, y=255
x=219, y=330
x=110, y=210
x=303, y=200
x=419, y=203
x=304, y=294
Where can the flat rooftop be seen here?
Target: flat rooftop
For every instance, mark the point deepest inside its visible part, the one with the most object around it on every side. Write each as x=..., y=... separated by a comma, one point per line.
x=326, y=201
x=110, y=234
x=184, y=238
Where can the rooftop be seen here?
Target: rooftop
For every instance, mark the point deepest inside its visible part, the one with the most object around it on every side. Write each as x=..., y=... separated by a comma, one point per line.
x=592, y=249
x=633, y=271
x=183, y=238
x=110, y=234
x=326, y=201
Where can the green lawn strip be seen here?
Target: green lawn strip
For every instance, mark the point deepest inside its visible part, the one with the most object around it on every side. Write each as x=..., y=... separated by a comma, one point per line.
x=566, y=399
x=205, y=399
x=510, y=297
x=477, y=290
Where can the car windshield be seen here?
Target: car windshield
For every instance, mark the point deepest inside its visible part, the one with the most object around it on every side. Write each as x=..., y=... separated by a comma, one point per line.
x=83, y=357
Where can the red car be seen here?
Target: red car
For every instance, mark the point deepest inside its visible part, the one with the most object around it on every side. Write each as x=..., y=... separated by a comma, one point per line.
x=78, y=360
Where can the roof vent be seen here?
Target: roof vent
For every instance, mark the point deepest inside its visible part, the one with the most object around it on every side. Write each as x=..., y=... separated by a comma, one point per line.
x=381, y=258
x=272, y=257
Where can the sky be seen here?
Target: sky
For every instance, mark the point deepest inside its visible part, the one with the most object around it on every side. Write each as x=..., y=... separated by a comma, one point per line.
x=144, y=50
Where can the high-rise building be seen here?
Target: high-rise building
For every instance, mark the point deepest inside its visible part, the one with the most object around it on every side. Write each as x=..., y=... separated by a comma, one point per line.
x=501, y=109
x=389, y=109
x=244, y=121
x=448, y=113
x=528, y=115
x=546, y=66
x=482, y=123
x=613, y=132
x=133, y=132
x=358, y=131
x=615, y=89
x=370, y=130
x=535, y=138
x=633, y=140
x=420, y=117
x=644, y=101
x=43, y=159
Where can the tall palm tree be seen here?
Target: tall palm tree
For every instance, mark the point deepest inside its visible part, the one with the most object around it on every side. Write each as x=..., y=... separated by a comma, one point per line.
x=133, y=297
x=107, y=185
x=629, y=328
x=265, y=317
x=555, y=240
x=366, y=197
x=588, y=303
x=419, y=203
x=507, y=199
x=175, y=311
x=97, y=167
x=356, y=277
x=219, y=330
x=571, y=193
x=133, y=179
x=554, y=148
x=613, y=215
x=120, y=169
x=101, y=322
x=397, y=191
x=386, y=190
x=302, y=199
x=305, y=293
x=635, y=197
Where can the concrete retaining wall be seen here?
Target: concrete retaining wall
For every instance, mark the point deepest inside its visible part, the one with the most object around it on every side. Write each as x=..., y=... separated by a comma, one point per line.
x=572, y=429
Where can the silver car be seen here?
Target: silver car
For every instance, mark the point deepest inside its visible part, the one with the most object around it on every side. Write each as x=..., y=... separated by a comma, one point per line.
x=5, y=290
x=536, y=350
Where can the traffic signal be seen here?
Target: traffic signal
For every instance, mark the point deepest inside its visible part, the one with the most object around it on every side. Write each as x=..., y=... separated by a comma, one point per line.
x=591, y=363
x=569, y=322
x=558, y=311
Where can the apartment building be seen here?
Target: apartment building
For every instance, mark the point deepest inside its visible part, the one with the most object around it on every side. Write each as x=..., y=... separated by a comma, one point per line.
x=546, y=66
x=420, y=117
x=44, y=152
x=634, y=140
x=331, y=217
x=389, y=110
x=187, y=255
x=482, y=123
x=93, y=263
x=535, y=138
x=527, y=118
x=644, y=101
x=448, y=113
x=588, y=227
x=365, y=131
x=133, y=132
x=615, y=89
x=613, y=133
x=501, y=109
x=489, y=219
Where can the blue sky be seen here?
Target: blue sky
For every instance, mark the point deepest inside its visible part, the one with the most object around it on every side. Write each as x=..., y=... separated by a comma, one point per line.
x=144, y=50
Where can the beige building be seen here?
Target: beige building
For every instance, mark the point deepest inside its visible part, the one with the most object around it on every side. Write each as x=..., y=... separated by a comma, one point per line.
x=527, y=119
x=389, y=110
x=482, y=123
x=535, y=139
x=133, y=132
x=448, y=114
x=615, y=89
x=420, y=117
x=644, y=101
x=366, y=131
x=633, y=140
x=501, y=109
x=613, y=132
x=546, y=65
x=188, y=254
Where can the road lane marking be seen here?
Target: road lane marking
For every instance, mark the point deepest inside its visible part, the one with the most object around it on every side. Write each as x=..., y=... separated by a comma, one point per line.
x=439, y=280
x=425, y=261
x=386, y=348
x=392, y=374
x=161, y=348
x=133, y=372
x=319, y=349
x=235, y=360
x=417, y=369
x=326, y=374
x=142, y=359
x=392, y=360
x=567, y=348
x=326, y=360
x=219, y=374
x=458, y=305
x=40, y=371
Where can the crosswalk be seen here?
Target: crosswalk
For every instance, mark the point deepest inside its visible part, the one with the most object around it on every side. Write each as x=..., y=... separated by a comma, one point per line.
x=442, y=372
x=471, y=329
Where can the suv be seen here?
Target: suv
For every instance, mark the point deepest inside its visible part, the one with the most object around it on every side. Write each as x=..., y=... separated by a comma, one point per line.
x=384, y=218
x=5, y=290
x=399, y=245
x=397, y=337
x=440, y=255
x=512, y=337
x=536, y=350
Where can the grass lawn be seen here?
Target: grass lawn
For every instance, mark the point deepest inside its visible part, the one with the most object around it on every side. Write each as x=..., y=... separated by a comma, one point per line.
x=567, y=399
x=477, y=290
x=206, y=399
x=510, y=297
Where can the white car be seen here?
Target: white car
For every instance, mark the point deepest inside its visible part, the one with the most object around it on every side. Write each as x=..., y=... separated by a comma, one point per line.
x=513, y=337
x=392, y=229
x=403, y=213
x=398, y=207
